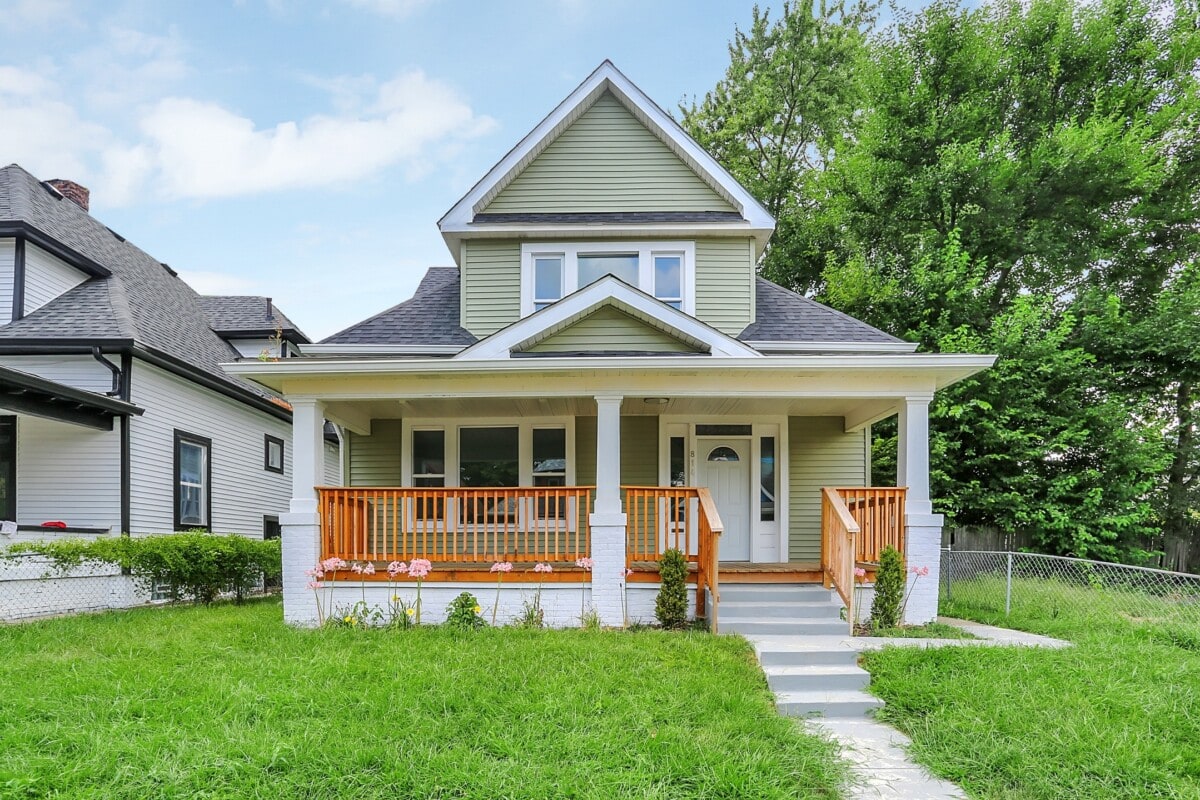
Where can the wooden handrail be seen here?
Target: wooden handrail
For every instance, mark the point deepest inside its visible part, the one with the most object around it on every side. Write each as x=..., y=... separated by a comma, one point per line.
x=456, y=525
x=879, y=512
x=660, y=518
x=838, y=532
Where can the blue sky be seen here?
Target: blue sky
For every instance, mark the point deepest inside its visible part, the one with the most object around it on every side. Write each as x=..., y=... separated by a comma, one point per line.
x=305, y=150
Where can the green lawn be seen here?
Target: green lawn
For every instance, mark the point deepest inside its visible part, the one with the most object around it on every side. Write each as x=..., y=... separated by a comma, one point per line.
x=228, y=702
x=1115, y=716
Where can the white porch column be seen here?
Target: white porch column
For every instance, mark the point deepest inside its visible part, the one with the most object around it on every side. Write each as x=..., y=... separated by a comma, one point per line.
x=608, y=518
x=923, y=534
x=300, y=527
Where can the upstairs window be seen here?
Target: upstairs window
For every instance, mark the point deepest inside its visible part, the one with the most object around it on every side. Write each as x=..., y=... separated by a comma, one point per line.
x=664, y=270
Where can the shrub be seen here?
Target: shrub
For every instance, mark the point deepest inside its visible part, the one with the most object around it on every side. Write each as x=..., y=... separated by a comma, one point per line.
x=670, y=607
x=889, y=590
x=193, y=564
x=463, y=613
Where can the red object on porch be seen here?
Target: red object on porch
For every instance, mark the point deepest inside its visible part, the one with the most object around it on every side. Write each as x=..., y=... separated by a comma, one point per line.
x=56, y=523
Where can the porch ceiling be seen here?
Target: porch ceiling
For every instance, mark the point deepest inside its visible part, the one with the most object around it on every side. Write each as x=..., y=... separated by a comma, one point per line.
x=853, y=408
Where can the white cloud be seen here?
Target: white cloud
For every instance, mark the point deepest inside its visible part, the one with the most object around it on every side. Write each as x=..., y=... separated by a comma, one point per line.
x=199, y=149
x=390, y=8
x=41, y=132
x=39, y=13
x=128, y=66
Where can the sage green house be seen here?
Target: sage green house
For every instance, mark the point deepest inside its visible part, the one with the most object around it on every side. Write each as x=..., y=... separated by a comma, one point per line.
x=602, y=375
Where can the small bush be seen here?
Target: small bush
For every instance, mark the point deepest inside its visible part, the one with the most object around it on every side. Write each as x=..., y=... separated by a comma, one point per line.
x=889, y=590
x=194, y=565
x=463, y=613
x=670, y=607
x=531, y=616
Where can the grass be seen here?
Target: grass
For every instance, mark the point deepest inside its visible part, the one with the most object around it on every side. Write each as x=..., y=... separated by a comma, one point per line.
x=1115, y=716
x=930, y=630
x=227, y=701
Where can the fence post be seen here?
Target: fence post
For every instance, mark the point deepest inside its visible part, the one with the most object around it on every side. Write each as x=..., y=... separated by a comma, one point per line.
x=949, y=570
x=1008, y=587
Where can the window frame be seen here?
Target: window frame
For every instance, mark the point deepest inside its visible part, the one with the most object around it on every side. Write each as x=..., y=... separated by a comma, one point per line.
x=269, y=440
x=646, y=251
x=9, y=475
x=181, y=438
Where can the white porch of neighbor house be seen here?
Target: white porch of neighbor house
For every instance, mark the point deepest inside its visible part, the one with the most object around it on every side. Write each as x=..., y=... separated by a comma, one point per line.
x=727, y=533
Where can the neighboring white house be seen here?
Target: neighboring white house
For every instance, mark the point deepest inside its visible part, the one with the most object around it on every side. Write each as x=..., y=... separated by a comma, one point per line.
x=604, y=375
x=115, y=415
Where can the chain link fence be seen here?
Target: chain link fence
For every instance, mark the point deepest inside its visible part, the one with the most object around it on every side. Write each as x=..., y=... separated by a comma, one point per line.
x=1031, y=584
x=32, y=587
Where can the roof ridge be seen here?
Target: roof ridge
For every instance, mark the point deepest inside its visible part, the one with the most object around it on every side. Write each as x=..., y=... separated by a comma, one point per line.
x=118, y=301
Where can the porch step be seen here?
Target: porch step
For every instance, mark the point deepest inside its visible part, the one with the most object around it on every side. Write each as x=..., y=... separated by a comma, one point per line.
x=819, y=609
x=774, y=593
x=817, y=677
x=781, y=627
x=826, y=703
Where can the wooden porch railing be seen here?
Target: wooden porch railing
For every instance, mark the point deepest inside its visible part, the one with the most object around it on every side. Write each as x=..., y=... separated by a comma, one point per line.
x=455, y=525
x=685, y=518
x=839, y=534
x=879, y=512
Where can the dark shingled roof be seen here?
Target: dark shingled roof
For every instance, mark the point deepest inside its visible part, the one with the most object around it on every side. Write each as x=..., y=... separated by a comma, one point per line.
x=784, y=316
x=142, y=300
x=247, y=314
x=429, y=317
x=615, y=217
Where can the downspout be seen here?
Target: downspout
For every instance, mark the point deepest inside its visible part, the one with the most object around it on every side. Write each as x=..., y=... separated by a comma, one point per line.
x=98, y=354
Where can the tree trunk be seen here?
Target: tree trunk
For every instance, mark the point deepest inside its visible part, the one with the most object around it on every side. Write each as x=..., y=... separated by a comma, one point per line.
x=1176, y=522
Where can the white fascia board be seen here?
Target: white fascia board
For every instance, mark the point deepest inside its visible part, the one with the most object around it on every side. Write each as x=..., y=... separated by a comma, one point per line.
x=607, y=76
x=381, y=349
x=607, y=290
x=833, y=347
x=949, y=365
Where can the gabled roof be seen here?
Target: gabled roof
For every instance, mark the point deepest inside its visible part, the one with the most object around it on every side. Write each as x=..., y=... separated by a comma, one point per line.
x=429, y=318
x=247, y=315
x=521, y=335
x=135, y=300
x=465, y=218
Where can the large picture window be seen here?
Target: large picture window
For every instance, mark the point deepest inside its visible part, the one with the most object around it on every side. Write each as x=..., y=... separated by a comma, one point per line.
x=664, y=270
x=193, y=481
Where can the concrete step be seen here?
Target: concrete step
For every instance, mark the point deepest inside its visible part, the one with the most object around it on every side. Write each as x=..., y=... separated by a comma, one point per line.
x=774, y=592
x=780, y=627
x=821, y=609
x=817, y=677
x=832, y=703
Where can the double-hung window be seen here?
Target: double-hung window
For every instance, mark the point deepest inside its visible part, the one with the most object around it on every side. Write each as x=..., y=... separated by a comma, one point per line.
x=193, y=481
x=664, y=270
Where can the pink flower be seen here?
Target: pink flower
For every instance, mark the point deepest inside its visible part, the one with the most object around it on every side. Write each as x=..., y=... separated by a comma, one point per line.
x=368, y=568
x=542, y=567
x=315, y=584
x=333, y=564
x=501, y=566
x=356, y=568
x=397, y=568
x=859, y=572
x=315, y=572
x=419, y=568
x=584, y=563
x=628, y=572
x=920, y=572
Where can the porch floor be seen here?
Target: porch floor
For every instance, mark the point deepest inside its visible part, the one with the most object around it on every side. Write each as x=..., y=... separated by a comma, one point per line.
x=744, y=572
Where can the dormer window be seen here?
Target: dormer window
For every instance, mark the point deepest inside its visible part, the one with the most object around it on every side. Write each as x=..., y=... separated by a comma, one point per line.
x=664, y=270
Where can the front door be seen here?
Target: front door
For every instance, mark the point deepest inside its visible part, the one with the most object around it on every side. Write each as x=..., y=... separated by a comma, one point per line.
x=724, y=467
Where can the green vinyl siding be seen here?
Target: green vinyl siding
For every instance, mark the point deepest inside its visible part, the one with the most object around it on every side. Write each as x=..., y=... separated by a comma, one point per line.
x=639, y=451
x=724, y=284
x=607, y=161
x=820, y=454
x=610, y=329
x=375, y=459
x=491, y=285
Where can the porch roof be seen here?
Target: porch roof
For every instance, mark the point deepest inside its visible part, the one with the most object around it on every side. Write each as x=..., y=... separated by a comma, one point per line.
x=39, y=397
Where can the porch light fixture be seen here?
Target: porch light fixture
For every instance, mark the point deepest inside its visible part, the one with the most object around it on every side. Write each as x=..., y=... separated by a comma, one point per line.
x=656, y=401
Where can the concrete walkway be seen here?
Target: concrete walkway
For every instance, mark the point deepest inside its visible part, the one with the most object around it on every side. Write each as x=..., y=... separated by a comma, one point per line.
x=878, y=753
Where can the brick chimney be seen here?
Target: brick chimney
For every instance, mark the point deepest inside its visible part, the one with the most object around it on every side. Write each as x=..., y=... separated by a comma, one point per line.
x=79, y=195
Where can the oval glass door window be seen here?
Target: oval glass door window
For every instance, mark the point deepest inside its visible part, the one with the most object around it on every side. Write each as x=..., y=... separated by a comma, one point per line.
x=723, y=454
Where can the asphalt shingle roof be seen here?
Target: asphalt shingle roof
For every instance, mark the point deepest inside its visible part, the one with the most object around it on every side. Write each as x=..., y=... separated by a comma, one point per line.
x=229, y=314
x=142, y=300
x=429, y=317
x=785, y=316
